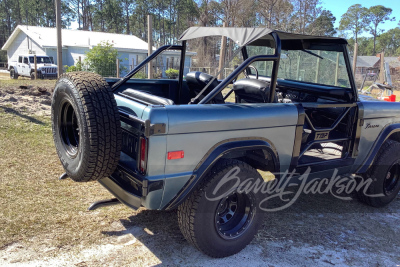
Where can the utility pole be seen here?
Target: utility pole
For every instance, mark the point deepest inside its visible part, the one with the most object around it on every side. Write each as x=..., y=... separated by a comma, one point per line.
x=355, y=59
x=59, y=40
x=35, y=63
x=382, y=68
x=337, y=69
x=222, y=55
x=150, y=45
x=117, y=67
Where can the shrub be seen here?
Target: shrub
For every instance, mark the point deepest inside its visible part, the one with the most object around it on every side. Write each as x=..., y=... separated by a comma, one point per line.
x=102, y=59
x=140, y=75
x=172, y=73
x=157, y=75
x=70, y=68
x=77, y=67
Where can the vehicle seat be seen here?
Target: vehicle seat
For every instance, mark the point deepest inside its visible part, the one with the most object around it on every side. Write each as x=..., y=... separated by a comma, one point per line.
x=146, y=97
x=197, y=80
x=252, y=91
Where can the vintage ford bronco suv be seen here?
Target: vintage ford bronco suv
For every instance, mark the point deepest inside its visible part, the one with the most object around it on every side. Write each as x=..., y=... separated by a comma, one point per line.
x=182, y=144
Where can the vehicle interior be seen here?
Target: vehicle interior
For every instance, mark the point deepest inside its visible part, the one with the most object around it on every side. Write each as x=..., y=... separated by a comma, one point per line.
x=313, y=73
x=317, y=79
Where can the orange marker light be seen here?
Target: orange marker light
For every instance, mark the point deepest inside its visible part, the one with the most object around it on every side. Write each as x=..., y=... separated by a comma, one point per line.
x=176, y=155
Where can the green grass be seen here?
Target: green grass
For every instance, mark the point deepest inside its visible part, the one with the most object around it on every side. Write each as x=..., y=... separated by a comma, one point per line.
x=33, y=202
x=27, y=82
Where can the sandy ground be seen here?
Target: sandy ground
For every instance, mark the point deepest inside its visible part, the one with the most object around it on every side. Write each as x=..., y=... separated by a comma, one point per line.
x=316, y=231
x=35, y=100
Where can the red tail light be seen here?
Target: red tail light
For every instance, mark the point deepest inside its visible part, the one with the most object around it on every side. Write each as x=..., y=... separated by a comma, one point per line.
x=143, y=155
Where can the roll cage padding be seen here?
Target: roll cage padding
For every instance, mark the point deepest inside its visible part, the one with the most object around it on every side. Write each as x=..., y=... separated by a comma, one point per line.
x=147, y=98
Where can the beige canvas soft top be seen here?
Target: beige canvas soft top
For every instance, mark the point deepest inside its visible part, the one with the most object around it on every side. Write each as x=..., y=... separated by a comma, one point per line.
x=253, y=36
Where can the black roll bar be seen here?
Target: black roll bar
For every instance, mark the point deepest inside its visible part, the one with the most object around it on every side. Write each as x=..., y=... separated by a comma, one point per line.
x=244, y=66
x=181, y=69
x=147, y=60
x=350, y=71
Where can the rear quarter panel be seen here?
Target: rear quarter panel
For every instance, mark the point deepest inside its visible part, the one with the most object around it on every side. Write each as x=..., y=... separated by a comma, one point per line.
x=195, y=129
x=377, y=116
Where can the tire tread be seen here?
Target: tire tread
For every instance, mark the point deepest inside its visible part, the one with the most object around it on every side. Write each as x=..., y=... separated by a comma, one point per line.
x=103, y=124
x=188, y=209
x=385, y=150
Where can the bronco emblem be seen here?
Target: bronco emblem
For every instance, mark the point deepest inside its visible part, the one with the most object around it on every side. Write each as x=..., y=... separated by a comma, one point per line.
x=369, y=125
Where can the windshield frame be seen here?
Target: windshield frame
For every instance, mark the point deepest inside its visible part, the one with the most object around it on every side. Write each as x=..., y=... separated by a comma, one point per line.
x=317, y=69
x=341, y=48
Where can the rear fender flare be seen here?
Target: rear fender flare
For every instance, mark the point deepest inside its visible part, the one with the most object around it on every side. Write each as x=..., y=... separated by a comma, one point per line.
x=385, y=134
x=217, y=152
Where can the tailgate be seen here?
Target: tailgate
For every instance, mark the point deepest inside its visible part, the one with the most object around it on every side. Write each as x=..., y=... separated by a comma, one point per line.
x=132, y=126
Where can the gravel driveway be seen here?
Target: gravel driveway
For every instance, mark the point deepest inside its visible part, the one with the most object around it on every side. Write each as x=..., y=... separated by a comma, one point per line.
x=317, y=230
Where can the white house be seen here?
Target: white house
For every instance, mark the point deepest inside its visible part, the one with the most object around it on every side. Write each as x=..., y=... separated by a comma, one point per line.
x=42, y=40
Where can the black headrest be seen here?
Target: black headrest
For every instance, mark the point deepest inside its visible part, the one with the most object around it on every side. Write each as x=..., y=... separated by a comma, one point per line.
x=252, y=87
x=197, y=80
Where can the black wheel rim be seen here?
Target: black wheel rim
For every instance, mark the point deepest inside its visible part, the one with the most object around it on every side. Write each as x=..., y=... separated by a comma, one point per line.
x=234, y=215
x=392, y=178
x=69, y=129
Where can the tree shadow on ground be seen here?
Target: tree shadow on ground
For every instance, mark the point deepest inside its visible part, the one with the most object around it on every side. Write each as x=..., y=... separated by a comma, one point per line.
x=24, y=116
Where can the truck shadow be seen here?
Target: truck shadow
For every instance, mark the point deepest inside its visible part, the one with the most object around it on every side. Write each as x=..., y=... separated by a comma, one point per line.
x=319, y=221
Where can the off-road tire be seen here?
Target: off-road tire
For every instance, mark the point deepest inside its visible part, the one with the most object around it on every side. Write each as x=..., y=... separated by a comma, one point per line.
x=380, y=171
x=13, y=74
x=197, y=214
x=86, y=126
x=33, y=75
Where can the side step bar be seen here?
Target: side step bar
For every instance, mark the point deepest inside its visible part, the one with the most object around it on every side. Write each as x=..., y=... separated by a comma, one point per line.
x=63, y=176
x=104, y=203
x=121, y=196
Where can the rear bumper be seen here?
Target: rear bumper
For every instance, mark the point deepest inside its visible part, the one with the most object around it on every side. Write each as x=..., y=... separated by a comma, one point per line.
x=131, y=200
x=133, y=189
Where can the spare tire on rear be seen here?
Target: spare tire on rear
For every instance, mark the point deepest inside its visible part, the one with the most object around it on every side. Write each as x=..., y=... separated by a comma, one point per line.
x=86, y=126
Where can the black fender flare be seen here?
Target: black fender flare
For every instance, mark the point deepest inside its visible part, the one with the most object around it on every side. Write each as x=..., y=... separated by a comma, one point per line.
x=386, y=132
x=213, y=155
